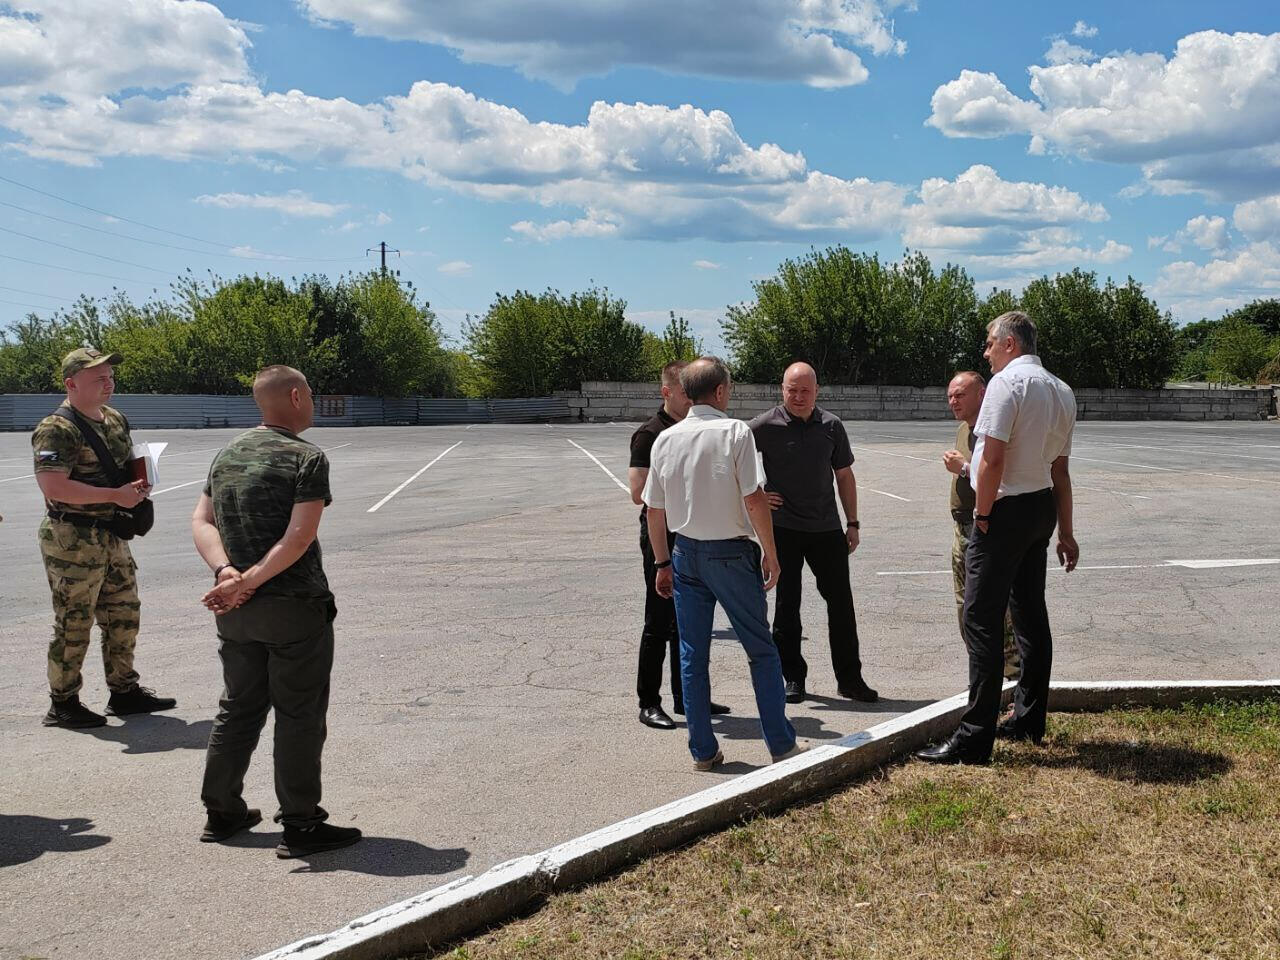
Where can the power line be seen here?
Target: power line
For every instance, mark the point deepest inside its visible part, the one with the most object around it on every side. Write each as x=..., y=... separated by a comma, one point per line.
x=171, y=246
x=34, y=306
x=172, y=233
x=36, y=293
x=87, y=273
x=86, y=253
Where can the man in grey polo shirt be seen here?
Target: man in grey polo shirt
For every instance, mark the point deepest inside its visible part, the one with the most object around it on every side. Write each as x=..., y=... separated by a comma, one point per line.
x=1023, y=491
x=704, y=485
x=804, y=448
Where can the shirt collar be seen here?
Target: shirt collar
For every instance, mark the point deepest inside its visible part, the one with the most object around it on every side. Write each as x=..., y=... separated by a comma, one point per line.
x=706, y=410
x=665, y=417
x=1025, y=358
x=814, y=417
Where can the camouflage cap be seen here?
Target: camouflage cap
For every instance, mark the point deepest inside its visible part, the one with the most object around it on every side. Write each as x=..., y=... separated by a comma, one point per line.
x=86, y=357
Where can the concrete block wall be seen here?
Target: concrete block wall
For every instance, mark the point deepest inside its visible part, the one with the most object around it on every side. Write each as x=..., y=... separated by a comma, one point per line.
x=599, y=400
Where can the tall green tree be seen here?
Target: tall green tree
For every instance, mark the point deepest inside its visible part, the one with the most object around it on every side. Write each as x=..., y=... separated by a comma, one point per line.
x=1238, y=351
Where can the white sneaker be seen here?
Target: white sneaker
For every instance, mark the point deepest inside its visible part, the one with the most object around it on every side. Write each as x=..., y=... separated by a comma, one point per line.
x=705, y=765
x=793, y=752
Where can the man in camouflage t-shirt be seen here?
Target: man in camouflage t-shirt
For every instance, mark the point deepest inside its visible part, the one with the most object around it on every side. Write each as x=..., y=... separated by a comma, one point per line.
x=256, y=527
x=91, y=571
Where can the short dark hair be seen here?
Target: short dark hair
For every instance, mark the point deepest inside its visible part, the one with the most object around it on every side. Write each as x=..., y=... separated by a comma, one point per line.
x=671, y=372
x=1015, y=324
x=703, y=377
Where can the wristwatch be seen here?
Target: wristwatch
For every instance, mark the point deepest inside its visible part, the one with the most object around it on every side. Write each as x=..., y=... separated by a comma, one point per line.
x=664, y=563
x=218, y=569
x=855, y=524
x=964, y=470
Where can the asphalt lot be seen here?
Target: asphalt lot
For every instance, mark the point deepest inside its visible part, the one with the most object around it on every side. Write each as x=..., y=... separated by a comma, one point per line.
x=483, y=700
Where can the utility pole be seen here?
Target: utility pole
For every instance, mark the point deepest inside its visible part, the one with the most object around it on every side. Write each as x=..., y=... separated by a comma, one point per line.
x=384, y=250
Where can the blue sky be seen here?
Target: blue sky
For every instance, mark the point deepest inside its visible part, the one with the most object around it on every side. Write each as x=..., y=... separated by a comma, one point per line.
x=671, y=151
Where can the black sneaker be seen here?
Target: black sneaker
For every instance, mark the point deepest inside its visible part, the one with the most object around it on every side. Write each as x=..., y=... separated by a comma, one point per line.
x=138, y=700
x=218, y=828
x=303, y=841
x=72, y=715
x=795, y=691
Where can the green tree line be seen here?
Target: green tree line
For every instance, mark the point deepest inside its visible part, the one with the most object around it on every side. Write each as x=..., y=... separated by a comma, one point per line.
x=856, y=318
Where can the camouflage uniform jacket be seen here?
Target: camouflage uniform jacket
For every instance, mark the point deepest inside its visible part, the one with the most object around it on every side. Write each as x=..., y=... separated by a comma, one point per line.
x=59, y=448
x=254, y=482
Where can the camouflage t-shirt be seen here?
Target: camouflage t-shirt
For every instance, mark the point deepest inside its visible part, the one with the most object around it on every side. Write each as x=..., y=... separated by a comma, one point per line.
x=254, y=482
x=59, y=448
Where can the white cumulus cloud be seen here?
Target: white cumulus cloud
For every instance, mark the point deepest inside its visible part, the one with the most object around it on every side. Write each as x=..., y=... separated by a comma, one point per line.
x=295, y=203
x=1063, y=51
x=1259, y=219
x=1206, y=119
x=706, y=265
x=1082, y=29
x=454, y=268
x=793, y=41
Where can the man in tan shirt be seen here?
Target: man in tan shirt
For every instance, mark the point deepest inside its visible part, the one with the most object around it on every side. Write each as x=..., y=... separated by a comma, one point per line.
x=964, y=396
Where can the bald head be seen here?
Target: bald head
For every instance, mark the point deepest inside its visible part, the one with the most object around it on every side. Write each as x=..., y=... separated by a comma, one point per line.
x=800, y=390
x=707, y=380
x=284, y=397
x=964, y=395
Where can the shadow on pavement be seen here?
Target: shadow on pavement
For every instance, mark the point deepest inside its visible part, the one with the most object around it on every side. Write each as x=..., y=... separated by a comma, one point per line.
x=748, y=728
x=376, y=856
x=155, y=733
x=25, y=838
x=883, y=705
x=1127, y=761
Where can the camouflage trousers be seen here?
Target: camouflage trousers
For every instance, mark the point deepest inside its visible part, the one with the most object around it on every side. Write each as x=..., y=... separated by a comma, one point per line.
x=92, y=576
x=960, y=543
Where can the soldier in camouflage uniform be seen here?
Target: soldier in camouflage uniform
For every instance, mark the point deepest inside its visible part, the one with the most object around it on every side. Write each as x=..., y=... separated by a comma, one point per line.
x=256, y=525
x=964, y=395
x=91, y=571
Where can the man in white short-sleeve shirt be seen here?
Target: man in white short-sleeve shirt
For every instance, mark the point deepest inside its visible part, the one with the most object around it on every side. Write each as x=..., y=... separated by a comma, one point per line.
x=1023, y=491
x=705, y=486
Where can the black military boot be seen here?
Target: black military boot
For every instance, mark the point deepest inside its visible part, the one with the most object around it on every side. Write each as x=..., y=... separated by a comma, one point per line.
x=72, y=715
x=138, y=700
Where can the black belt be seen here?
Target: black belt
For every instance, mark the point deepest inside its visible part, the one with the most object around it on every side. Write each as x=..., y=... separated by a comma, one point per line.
x=81, y=520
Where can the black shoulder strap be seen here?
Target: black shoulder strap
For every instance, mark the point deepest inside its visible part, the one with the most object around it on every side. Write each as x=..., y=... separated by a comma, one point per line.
x=91, y=437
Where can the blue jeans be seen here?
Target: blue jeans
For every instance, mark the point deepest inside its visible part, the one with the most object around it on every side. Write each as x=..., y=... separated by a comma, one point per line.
x=727, y=571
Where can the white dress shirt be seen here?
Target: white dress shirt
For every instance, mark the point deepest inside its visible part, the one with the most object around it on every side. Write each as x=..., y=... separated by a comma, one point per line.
x=699, y=471
x=1035, y=414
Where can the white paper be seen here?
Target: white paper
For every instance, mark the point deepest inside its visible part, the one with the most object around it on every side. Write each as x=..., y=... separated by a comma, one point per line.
x=150, y=453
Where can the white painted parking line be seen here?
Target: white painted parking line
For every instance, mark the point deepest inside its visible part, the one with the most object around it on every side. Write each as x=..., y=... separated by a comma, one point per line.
x=900, y=456
x=625, y=488
x=1201, y=473
x=25, y=476
x=886, y=494
x=379, y=504
x=338, y=447
x=1163, y=565
x=1182, y=449
x=1135, y=496
x=189, y=483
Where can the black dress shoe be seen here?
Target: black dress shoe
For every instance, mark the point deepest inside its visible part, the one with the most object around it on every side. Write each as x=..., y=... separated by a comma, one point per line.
x=951, y=751
x=859, y=691
x=795, y=691
x=717, y=709
x=657, y=718
x=1009, y=730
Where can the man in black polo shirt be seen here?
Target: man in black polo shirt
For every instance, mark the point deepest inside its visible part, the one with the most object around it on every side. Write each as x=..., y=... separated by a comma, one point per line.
x=803, y=447
x=660, y=631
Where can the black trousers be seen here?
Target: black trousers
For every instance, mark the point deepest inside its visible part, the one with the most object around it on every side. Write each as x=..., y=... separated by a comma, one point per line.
x=660, y=635
x=827, y=555
x=276, y=653
x=1006, y=566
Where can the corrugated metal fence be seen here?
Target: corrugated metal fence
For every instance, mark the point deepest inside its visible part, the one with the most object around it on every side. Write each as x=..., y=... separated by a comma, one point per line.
x=21, y=411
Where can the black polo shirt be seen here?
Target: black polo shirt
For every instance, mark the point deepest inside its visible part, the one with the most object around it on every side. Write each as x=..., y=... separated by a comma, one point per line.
x=800, y=457
x=642, y=444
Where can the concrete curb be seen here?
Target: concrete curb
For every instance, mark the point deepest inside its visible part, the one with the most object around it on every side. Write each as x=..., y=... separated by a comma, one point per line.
x=450, y=911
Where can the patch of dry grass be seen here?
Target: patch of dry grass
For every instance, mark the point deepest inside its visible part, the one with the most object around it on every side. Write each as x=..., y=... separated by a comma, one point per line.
x=1150, y=833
